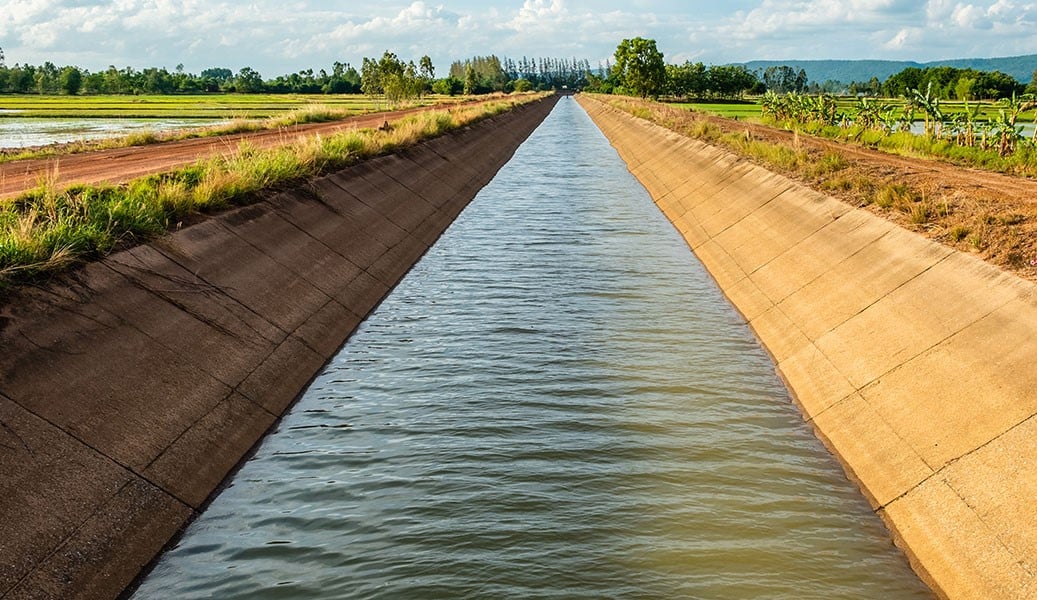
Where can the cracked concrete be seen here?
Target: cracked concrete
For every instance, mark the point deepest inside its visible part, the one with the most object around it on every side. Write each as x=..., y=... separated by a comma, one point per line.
x=913, y=362
x=133, y=386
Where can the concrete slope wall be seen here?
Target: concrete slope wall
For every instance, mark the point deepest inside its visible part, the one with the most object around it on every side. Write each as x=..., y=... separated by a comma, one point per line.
x=132, y=387
x=916, y=364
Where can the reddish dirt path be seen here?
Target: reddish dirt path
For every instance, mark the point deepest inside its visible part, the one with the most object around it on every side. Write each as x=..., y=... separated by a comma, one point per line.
x=988, y=214
x=926, y=173
x=123, y=164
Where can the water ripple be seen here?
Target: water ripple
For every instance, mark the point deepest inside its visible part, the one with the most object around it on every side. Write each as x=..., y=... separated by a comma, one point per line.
x=555, y=403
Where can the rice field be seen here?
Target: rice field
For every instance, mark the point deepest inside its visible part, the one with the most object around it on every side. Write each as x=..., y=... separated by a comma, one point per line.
x=31, y=121
x=747, y=109
x=203, y=106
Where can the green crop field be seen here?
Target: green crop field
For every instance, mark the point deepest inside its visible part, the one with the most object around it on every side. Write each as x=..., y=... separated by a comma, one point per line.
x=208, y=106
x=735, y=110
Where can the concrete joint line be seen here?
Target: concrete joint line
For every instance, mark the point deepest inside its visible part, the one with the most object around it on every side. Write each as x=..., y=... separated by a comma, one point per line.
x=416, y=193
x=309, y=235
x=64, y=542
x=167, y=254
x=274, y=259
x=924, y=350
x=1008, y=550
x=141, y=474
x=180, y=306
x=740, y=221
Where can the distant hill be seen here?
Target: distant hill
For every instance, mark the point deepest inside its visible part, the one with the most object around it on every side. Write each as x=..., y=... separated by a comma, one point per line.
x=819, y=71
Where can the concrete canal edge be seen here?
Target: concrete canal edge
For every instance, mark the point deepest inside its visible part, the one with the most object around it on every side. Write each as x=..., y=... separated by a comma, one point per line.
x=916, y=364
x=132, y=387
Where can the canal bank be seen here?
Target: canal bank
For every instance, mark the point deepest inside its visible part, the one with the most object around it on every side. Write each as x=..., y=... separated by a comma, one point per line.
x=131, y=387
x=555, y=402
x=913, y=362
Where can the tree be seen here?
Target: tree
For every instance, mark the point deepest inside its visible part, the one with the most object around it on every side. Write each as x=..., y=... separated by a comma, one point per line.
x=426, y=74
x=783, y=79
x=640, y=67
x=963, y=89
x=248, y=81
x=219, y=74
x=71, y=80
x=470, y=81
x=448, y=86
x=688, y=79
x=523, y=85
x=1030, y=89
x=370, y=78
x=427, y=70
x=390, y=76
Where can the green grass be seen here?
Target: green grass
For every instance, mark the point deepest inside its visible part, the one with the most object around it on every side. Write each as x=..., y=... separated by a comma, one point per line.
x=200, y=106
x=734, y=110
x=47, y=229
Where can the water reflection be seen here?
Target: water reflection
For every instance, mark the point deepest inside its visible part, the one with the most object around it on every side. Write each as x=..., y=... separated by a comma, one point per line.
x=18, y=132
x=556, y=402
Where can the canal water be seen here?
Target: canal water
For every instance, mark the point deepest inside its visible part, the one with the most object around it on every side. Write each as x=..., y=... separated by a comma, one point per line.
x=556, y=402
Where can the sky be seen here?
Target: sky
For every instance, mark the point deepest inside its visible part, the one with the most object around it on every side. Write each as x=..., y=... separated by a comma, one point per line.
x=283, y=36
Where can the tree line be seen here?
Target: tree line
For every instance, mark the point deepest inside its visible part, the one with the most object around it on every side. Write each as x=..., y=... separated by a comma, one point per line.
x=389, y=75
x=641, y=70
x=949, y=83
x=71, y=80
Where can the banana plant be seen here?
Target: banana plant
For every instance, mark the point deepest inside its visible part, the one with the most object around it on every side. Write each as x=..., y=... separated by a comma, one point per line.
x=870, y=114
x=1007, y=132
x=930, y=105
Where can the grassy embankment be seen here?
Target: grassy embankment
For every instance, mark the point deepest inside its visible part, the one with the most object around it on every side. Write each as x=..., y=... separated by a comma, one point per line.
x=751, y=109
x=1000, y=229
x=49, y=229
x=950, y=146
x=243, y=113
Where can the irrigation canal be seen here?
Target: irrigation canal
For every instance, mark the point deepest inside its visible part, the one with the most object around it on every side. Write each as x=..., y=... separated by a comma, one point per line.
x=556, y=402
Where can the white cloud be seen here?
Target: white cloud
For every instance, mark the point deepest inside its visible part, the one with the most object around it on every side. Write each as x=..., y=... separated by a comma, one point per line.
x=280, y=36
x=969, y=16
x=900, y=39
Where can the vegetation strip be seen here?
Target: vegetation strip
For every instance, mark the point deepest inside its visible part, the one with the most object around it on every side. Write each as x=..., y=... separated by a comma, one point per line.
x=310, y=113
x=945, y=203
x=48, y=229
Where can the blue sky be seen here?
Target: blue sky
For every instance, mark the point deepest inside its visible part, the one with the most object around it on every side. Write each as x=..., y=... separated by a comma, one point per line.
x=282, y=36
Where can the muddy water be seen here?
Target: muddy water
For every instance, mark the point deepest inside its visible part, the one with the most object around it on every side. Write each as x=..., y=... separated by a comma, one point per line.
x=557, y=402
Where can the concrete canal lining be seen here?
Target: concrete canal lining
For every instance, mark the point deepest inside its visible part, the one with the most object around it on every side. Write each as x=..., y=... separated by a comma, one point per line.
x=130, y=388
x=916, y=364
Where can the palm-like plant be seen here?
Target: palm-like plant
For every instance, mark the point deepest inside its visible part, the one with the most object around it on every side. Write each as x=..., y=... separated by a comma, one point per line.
x=1006, y=130
x=930, y=105
x=870, y=114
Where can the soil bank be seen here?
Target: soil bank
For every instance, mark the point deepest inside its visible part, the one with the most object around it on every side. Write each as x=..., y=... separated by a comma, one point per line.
x=130, y=388
x=914, y=362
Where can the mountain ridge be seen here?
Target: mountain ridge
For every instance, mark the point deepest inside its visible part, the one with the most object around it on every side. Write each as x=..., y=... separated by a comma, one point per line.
x=818, y=71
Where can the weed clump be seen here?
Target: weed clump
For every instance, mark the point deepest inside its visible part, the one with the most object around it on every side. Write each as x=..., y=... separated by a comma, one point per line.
x=894, y=195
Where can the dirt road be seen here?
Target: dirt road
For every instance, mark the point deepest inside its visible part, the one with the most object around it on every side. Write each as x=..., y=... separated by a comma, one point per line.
x=989, y=214
x=123, y=164
x=985, y=213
